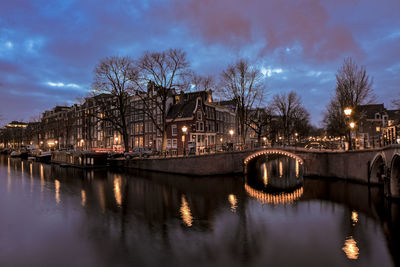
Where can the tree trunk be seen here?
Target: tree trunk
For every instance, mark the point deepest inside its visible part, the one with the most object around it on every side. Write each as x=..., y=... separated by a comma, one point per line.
x=125, y=136
x=164, y=141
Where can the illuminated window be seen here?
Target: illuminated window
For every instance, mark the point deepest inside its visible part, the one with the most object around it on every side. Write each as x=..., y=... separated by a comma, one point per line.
x=378, y=129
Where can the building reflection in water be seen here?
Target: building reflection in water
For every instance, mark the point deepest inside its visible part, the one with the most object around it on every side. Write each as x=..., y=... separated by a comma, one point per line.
x=265, y=173
x=350, y=248
x=41, y=178
x=297, y=169
x=57, y=189
x=9, y=175
x=102, y=197
x=186, y=214
x=278, y=198
x=233, y=201
x=354, y=218
x=117, y=189
x=280, y=169
x=83, y=197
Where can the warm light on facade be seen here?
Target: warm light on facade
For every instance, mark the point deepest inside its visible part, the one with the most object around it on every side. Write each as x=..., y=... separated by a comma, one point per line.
x=231, y=132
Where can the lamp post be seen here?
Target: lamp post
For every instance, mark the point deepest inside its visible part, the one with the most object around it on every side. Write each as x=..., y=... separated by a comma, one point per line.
x=56, y=146
x=82, y=141
x=264, y=140
x=184, y=130
x=116, y=143
x=231, y=132
x=347, y=112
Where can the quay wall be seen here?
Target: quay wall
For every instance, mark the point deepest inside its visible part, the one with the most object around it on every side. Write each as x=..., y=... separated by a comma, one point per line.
x=211, y=164
x=349, y=165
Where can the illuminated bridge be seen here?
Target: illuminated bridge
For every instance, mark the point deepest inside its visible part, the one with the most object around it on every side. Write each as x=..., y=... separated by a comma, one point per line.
x=374, y=166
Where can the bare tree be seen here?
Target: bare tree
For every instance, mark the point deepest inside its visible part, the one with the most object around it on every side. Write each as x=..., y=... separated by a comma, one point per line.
x=244, y=84
x=159, y=76
x=353, y=88
x=292, y=115
x=113, y=84
x=395, y=102
x=259, y=119
x=202, y=83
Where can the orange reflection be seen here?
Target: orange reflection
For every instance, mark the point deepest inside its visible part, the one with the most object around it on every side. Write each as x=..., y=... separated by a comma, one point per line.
x=265, y=173
x=350, y=248
x=354, y=217
x=297, y=169
x=117, y=190
x=185, y=212
x=57, y=186
x=41, y=178
x=280, y=169
x=83, y=196
x=102, y=196
x=233, y=200
x=9, y=175
x=281, y=198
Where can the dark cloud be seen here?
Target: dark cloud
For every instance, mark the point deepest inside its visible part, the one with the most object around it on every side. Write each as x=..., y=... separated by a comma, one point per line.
x=59, y=42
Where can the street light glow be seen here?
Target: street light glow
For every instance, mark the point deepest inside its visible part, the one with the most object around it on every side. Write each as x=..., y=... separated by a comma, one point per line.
x=352, y=125
x=184, y=129
x=347, y=111
x=231, y=132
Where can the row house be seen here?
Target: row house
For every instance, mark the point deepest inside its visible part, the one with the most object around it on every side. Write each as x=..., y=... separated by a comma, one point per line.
x=146, y=115
x=54, y=124
x=391, y=133
x=376, y=126
x=195, y=122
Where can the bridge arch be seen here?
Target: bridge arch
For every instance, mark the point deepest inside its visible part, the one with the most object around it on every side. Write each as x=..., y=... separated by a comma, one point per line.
x=378, y=167
x=272, y=151
x=395, y=175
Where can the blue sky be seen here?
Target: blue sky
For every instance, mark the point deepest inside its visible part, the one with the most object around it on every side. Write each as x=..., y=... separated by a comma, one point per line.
x=48, y=49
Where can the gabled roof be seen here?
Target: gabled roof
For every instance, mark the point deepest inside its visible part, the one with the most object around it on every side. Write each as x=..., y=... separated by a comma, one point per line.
x=182, y=110
x=370, y=110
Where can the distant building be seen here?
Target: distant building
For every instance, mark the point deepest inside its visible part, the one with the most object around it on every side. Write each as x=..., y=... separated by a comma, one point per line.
x=376, y=126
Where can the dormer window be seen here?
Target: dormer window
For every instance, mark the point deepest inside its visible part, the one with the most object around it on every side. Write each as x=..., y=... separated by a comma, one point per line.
x=199, y=115
x=377, y=116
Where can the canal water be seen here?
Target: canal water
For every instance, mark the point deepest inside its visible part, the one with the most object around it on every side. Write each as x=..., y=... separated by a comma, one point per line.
x=54, y=216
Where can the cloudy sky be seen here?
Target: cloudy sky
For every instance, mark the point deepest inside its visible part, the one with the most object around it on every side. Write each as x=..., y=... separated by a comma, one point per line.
x=48, y=49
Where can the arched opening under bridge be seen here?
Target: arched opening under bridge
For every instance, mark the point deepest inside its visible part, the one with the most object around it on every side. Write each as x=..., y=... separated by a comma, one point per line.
x=395, y=176
x=378, y=165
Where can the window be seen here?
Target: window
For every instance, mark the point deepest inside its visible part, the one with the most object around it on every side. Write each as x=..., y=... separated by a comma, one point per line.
x=199, y=115
x=174, y=143
x=174, y=130
x=168, y=143
x=377, y=116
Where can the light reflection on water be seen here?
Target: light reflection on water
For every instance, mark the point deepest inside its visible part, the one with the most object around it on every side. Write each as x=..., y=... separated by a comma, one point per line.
x=100, y=218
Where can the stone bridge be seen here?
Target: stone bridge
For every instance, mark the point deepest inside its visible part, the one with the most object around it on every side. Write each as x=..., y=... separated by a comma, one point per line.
x=369, y=166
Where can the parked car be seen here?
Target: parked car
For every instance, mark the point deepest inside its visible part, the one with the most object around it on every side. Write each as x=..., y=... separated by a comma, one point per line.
x=139, y=152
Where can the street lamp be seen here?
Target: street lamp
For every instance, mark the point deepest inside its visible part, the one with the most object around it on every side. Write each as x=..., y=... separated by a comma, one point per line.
x=352, y=125
x=265, y=140
x=231, y=132
x=184, y=130
x=347, y=112
x=56, y=146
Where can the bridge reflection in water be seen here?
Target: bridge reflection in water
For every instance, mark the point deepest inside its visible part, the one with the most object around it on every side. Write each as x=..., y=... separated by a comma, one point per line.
x=274, y=178
x=72, y=217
